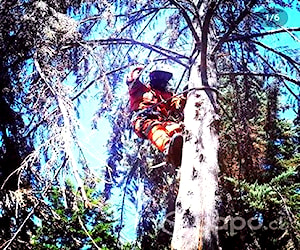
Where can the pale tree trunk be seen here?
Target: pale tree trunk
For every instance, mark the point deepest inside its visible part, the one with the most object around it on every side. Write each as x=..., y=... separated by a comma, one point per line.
x=196, y=216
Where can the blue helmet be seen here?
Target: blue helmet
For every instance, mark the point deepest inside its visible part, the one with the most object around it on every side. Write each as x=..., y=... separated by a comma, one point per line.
x=159, y=76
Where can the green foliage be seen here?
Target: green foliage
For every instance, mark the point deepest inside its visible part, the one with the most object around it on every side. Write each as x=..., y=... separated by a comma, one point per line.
x=67, y=222
x=269, y=193
x=281, y=189
x=279, y=199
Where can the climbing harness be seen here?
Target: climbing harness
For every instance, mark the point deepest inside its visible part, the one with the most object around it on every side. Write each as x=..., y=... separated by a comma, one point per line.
x=150, y=110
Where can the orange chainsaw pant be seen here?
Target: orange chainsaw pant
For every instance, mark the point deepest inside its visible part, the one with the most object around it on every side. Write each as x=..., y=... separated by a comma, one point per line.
x=158, y=132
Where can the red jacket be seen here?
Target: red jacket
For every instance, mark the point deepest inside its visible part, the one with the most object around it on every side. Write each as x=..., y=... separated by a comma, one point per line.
x=142, y=97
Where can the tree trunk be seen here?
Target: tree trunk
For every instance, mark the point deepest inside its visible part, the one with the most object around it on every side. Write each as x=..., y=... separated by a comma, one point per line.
x=196, y=215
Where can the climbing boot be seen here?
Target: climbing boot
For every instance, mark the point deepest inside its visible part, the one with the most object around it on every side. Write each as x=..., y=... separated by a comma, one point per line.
x=174, y=151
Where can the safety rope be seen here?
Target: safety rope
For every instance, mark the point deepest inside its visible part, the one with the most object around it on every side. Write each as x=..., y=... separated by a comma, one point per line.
x=176, y=95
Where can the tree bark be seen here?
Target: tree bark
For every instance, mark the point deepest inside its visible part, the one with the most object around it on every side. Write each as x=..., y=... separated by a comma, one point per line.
x=196, y=216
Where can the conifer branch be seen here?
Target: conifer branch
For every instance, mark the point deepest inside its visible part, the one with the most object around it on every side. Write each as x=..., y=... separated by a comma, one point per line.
x=234, y=25
x=139, y=34
x=297, y=82
x=42, y=75
x=128, y=179
x=135, y=20
x=97, y=79
x=277, y=75
x=291, y=219
x=274, y=70
x=289, y=59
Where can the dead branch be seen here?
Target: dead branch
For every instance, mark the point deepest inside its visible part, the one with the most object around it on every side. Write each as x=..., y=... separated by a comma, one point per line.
x=87, y=233
x=33, y=209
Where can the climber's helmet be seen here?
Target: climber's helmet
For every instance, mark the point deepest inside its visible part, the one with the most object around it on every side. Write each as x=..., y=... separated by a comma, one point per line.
x=160, y=76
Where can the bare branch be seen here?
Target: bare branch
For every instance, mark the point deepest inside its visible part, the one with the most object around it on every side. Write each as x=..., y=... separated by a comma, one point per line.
x=87, y=233
x=67, y=135
x=19, y=229
x=33, y=209
x=10, y=175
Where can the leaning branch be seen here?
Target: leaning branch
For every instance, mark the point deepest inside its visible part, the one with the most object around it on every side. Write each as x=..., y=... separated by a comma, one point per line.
x=117, y=41
x=277, y=75
x=289, y=59
x=267, y=33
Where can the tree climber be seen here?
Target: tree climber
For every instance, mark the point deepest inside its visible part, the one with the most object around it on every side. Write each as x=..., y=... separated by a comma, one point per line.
x=157, y=113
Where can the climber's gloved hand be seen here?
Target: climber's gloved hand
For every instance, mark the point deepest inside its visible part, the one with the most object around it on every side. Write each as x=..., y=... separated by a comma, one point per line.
x=134, y=74
x=176, y=102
